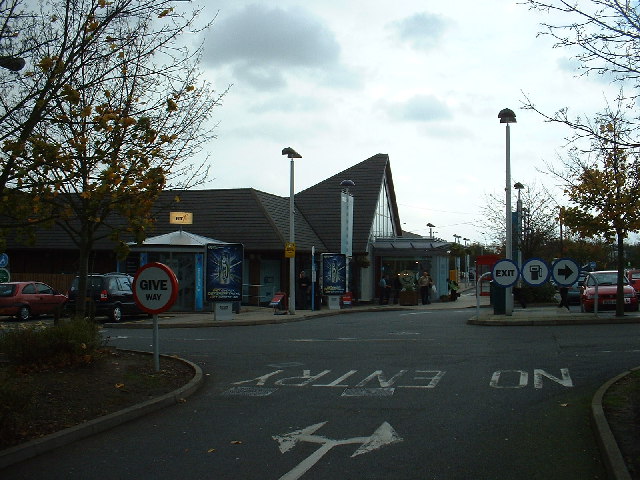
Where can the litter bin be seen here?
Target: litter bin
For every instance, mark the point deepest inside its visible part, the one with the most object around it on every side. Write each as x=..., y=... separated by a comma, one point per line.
x=498, y=298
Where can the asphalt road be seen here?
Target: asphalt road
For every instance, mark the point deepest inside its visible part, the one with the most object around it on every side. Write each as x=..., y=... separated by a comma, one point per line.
x=393, y=395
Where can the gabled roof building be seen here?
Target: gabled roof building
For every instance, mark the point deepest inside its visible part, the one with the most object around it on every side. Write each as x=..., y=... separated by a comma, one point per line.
x=260, y=221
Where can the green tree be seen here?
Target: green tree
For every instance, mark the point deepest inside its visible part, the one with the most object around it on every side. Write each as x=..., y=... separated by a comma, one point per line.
x=539, y=222
x=127, y=117
x=602, y=184
x=585, y=250
x=602, y=34
x=603, y=37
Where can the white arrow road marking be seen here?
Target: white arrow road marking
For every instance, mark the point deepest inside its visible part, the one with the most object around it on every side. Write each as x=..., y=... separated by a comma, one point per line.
x=384, y=435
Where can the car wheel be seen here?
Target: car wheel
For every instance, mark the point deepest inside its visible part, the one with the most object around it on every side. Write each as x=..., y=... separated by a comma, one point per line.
x=24, y=313
x=116, y=313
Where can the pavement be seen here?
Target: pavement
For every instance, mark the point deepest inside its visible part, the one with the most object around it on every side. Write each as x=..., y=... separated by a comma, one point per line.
x=481, y=313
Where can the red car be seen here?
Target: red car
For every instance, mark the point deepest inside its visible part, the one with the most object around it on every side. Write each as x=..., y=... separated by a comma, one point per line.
x=24, y=300
x=634, y=279
x=607, y=282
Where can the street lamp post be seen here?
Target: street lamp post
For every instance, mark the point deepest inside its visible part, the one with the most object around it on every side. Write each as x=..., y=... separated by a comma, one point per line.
x=466, y=260
x=431, y=226
x=457, y=237
x=291, y=153
x=518, y=186
x=507, y=116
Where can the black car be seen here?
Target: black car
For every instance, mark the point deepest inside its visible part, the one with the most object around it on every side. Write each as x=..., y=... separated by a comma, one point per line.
x=111, y=295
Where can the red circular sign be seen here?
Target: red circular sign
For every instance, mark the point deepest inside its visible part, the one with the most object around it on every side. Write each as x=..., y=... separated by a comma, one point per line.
x=155, y=288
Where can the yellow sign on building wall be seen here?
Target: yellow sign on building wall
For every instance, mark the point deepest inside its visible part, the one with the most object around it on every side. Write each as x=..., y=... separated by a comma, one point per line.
x=289, y=250
x=181, y=218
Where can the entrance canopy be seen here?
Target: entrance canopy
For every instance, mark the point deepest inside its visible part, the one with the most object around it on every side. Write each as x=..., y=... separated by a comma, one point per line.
x=177, y=238
x=416, y=246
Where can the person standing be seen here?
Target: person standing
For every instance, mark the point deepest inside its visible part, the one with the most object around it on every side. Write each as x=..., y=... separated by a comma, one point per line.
x=397, y=286
x=564, y=300
x=304, y=288
x=453, y=287
x=384, y=290
x=425, y=283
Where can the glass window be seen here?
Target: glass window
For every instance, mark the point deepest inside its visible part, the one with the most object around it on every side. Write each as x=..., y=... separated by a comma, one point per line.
x=46, y=289
x=7, y=290
x=124, y=285
x=383, y=219
x=29, y=289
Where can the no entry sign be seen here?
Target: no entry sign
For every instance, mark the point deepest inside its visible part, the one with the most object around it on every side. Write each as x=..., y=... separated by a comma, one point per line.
x=155, y=288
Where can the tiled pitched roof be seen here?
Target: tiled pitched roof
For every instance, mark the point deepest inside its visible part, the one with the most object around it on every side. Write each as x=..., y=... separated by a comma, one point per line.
x=257, y=219
x=260, y=220
x=320, y=204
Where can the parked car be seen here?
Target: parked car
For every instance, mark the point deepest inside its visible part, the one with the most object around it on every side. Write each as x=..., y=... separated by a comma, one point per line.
x=25, y=300
x=634, y=279
x=573, y=295
x=607, y=282
x=109, y=294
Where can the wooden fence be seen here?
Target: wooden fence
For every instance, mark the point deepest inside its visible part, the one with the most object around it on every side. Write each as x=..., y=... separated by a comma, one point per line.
x=59, y=281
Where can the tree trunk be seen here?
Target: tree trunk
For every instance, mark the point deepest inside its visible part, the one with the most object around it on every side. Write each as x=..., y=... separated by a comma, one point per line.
x=620, y=264
x=85, y=247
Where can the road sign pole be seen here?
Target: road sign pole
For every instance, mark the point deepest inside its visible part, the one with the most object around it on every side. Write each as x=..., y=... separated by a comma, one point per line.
x=156, y=344
x=155, y=289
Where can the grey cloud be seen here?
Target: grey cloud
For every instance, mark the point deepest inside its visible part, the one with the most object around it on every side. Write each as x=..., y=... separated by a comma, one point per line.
x=567, y=64
x=420, y=108
x=265, y=44
x=264, y=77
x=286, y=104
x=422, y=30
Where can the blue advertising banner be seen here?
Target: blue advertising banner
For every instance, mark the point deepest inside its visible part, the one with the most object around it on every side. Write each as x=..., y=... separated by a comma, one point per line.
x=199, y=281
x=224, y=272
x=334, y=273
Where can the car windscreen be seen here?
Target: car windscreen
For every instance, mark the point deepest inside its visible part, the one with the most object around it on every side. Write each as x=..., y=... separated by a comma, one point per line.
x=93, y=284
x=7, y=290
x=608, y=278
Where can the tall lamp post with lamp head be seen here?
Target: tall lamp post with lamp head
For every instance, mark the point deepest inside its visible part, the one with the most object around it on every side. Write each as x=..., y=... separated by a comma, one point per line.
x=15, y=64
x=518, y=227
x=466, y=261
x=291, y=154
x=431, y=227
x=507, y=116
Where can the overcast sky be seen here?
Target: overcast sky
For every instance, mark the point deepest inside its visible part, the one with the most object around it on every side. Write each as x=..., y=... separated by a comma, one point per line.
x=422, y=81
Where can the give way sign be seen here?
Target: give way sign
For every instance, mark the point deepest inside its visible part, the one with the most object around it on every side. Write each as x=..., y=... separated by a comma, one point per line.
x=155, y=288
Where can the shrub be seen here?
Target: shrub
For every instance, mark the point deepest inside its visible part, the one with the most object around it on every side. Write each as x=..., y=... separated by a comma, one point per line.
x=541, y=294
x=15, y=402
x=66, y=343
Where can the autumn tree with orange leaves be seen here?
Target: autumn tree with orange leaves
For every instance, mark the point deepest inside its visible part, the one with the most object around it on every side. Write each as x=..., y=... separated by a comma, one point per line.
x=601, y=179
x=110, y=110
x=602, y=184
